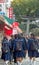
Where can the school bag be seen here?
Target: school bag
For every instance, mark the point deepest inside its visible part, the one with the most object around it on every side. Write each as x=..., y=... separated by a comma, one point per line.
x=5, y=46
x=19, y=46
x=35, y=45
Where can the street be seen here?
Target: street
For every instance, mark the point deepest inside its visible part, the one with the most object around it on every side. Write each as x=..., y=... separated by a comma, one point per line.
x=25, y=62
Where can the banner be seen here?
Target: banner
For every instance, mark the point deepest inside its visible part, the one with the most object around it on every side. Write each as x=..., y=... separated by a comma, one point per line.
x=10, y=10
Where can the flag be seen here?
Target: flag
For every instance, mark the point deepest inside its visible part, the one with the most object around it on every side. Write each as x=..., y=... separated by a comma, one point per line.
x=7, y=31
x=15, y=24
x=16, y=30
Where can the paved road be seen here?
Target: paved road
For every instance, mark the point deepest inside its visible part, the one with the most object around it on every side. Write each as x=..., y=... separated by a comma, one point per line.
x=24, y=62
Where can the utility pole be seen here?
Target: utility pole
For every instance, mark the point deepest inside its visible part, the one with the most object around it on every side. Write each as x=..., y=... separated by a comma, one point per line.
x=28, y=24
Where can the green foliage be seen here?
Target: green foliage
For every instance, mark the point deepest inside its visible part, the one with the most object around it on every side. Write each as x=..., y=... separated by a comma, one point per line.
x=33, y=26
x=35, y=31
x=25, y=7
x=23, y=27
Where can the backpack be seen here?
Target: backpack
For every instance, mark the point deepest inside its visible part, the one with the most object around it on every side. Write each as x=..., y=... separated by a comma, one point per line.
x=5, y=47
x=19, y=45
x=35, y=45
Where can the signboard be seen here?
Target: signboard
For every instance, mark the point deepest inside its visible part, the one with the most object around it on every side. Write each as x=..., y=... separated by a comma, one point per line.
x=10, y=10
x=14, y=31
x=2, y=1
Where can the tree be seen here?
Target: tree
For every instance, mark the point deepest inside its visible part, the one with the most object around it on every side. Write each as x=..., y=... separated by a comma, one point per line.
x=35, y=31
x=25, y=7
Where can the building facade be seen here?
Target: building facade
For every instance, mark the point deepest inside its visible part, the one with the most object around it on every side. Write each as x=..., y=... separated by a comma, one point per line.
x=4, y=4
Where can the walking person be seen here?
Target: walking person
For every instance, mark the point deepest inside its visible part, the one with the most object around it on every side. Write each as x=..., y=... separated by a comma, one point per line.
x=19, y=48
x=6, y=47
x=27, y=38
x=32, y=52
x=38, y=48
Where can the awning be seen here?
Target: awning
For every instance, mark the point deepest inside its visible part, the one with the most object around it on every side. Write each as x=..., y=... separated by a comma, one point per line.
x=11, y=23
x=8, y=21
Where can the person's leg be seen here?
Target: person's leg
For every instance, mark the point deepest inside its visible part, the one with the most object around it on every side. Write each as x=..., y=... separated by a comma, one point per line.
x=30, y=57
x=31, y=61
x=34, y=61
x=6, y=62
x=34, y=56
x=19, y=60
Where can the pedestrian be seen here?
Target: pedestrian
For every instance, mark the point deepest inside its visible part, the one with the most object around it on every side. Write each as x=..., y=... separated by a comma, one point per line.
x=12, y=52
x=32, y=52
x=19, y=47
x=6, y=47
x=27, y=37
x=2, y=56
x=38, y=48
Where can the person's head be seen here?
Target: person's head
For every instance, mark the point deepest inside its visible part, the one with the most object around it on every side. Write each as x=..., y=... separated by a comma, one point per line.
x=32, y=35
x=16, y=36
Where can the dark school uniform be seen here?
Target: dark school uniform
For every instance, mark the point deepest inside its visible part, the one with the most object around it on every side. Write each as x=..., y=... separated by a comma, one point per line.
x=31, y=51
x=19, y=47
x=6, y=47
x=38, y=48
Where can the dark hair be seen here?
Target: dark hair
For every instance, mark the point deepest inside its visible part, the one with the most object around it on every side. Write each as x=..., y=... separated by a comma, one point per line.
x=32, y=34
x=16, y=35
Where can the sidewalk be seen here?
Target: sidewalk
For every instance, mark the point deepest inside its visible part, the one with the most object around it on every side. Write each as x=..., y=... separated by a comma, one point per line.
x=25, y=62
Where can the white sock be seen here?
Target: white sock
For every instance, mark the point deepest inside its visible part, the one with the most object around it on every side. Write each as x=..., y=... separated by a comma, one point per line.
x=27, y=55
x=23, y=61
x=31, y=62
x=19, y=63
x=34, y=62
x=6, y=62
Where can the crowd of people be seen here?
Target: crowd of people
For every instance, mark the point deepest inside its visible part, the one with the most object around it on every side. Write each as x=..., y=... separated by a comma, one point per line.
x=15, y=48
